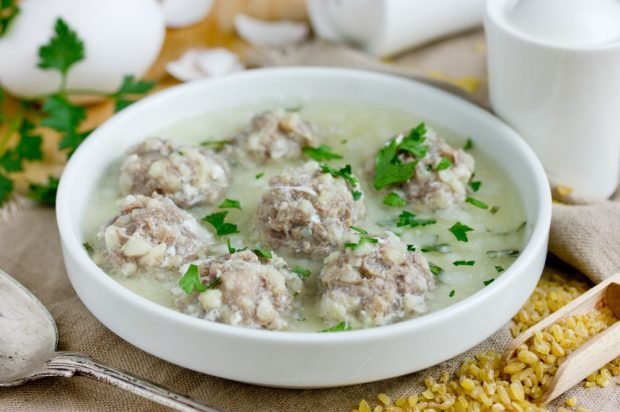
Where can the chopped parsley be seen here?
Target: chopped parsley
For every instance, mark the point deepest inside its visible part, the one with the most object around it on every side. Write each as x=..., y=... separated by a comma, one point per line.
x=476, y=202
x=343, y=141
x=359, y=230
x=230, y=204
x=63, y=50
x=444, y=164
x=488, y=282
x=408, y=219
x=437, y=270
x=459, y=231
x=499, y=269
x=191, y=282
x=452, y=293
x=494, y=209
x=464, y=262
x=263, y=253
x=259, y=175
x=303, y=273
x=411, y=248
x=363, y=240
x=129, y=91
x=348, y=176
x=394, y=199
x=340, y=327
x=8, y=11
x=413, y=143
x=44, y=193
x=222, y=228
x=501, y=253
x=438, y=247
x=469, y=144
x=322, y=153
x=88, y=247
x=475, y=185
x=218, y=144
x=231, y=248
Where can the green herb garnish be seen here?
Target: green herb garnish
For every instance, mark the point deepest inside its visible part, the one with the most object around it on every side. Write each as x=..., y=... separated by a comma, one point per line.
x=394, y=199
x=63, y=50
x=409, y=219
x=411, y=248
x=469, y=144
x=359, y=230
x=259, y=175
x=231, y=248
x=44, y=193
x=475, y=185
x=129, y=91
x=322, y=153
x=222, y=228
x=413, y=143
x=191, y=282
x=389, y=170
x=263, y=253
x=363, y=240
x=88, y=247
x=213, y=284
x=340, y=327
x=444, y=164
x=499, y=269
x=464, y=263
x=452, y=293
x=303, y=273
x=218, y=144
x=478, y=203
x=348, y=176
x=459, y=231
x=438, y=247
x=494, y=209
x=8, y=11
x=488, y=282
x=437, y=270
x=230, y=204
x=502, y=253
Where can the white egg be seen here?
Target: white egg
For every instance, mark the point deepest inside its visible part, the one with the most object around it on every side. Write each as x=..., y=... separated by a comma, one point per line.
x=183, y=13
x=120, y=37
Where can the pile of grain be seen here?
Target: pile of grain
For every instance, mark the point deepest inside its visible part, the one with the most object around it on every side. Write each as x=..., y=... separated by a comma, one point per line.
x=486, y=382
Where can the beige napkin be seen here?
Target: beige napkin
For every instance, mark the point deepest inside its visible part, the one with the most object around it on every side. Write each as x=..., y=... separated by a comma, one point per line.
x=587, y=237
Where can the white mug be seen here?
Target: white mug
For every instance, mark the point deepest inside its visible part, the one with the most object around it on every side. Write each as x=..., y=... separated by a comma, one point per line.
x=564, y=101
x=385, y=27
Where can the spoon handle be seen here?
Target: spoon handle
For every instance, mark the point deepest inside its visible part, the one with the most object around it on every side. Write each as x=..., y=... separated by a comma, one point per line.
x=81, y=364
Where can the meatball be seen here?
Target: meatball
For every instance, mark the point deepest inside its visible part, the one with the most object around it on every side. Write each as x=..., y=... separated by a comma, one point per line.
x=149, y=233
x=274, y=135
x=374, y=283
x=306, y=211
x=251, y=292
x=189, y=175
x=433, y=187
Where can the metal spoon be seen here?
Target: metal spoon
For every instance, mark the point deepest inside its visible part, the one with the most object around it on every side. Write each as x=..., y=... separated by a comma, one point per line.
x=28, y=339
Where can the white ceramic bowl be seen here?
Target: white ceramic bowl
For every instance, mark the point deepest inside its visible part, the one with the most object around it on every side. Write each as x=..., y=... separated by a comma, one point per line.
x=288, y=359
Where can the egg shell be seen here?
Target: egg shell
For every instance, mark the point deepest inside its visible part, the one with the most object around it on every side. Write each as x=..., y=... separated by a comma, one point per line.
x=120, y=38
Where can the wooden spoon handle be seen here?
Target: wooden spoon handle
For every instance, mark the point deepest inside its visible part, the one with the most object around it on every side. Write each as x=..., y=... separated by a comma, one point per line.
x=598, y=351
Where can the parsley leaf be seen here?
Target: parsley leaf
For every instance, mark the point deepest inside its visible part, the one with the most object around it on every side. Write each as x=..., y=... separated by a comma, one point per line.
x=340, y=327
x=129, y=91
x=303, y=273
x=459, y=231
x=413, y=143
x=230, y=204
x=8, y=11
x=222, y=228
x=464, y=262
x=438, y=247
x=394, y=199
x=44, y=193
x=436, y=270
x=321, y=153
x=191, y=282
x=29, y=146
x=499, y=269
x=411, y=248
x=63, y=50
x=476, y=202
x=452, y=293
x=62, y=115
x=363, y=240
x=469, y=144
x=263, y=253
x=444, y=164
x=231, y=249
x=88, y=247
x=388, y=169
x=409, y=219
x=6, y=188
x=348, y=176
x=359, y=230
x=475, y=185
x=259, y=175
x=219, y=144
x=494, y=209
x=488, y=282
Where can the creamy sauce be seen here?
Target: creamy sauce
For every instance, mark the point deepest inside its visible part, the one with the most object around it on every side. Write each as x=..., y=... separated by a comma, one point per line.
x=356, y=132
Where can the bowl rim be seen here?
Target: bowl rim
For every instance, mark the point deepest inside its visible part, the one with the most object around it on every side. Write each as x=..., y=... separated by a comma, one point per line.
x=73, y=246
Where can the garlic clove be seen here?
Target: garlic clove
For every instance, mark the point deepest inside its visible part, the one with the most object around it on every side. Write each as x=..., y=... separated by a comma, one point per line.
x=266, y=33
x=197, y=64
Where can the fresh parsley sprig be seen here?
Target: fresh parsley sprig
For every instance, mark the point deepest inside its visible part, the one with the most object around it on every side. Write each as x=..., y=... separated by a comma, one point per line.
x=347, y=174
x=218, y=221
x=323, y=153
x=8, y=11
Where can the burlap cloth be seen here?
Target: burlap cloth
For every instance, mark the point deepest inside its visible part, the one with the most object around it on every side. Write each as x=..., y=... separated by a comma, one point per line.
x=587, y=237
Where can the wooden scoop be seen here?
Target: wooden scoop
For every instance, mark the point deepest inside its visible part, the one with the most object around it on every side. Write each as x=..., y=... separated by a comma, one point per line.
x=591, y=356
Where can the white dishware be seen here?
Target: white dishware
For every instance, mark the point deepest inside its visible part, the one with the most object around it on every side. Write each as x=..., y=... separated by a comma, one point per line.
x=554, y=75
x=290, y=359
x=120, y=38
x=386, y=27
